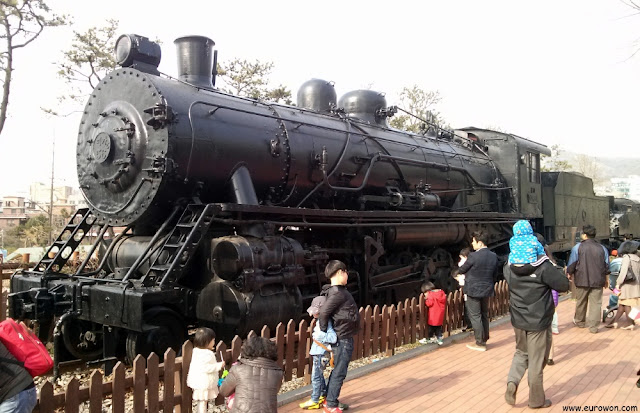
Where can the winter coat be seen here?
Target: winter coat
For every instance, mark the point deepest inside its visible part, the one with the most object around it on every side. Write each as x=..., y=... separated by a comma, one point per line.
x=327, y=338
x=479, y=270
x=436, y=302
x=342, y=309
x=530, y=301
x=589, y=263
x=629, y=289
x=13, y=377
x=204, y=370
x=256, y=383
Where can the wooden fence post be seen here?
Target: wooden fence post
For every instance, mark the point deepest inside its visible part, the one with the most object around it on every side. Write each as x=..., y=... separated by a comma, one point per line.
x=303, y=338
x=95, y=392
x=153, y=382
x=3, y=303
x=117, y=400
x=391, y=332
x=290, y=347
x=46, y=398
x=187, y=351
x=366, y=348
x=169, y=377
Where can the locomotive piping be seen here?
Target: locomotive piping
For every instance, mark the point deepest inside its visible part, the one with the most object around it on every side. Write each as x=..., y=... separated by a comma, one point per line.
x=242, y=188
x=325, y=177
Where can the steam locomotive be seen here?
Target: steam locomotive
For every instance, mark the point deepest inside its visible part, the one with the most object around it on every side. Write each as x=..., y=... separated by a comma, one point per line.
x=231, y=207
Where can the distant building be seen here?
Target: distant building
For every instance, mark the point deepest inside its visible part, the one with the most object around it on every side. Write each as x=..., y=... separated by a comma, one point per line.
x=628, y=187
x=17, y=209
x=13, y=211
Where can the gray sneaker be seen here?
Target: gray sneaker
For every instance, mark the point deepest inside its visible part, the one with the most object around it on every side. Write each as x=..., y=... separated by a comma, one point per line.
x=477, y=347
x=510, y=394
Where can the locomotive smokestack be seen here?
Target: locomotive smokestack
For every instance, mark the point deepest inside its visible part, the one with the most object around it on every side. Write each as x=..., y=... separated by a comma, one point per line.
x=195, y=60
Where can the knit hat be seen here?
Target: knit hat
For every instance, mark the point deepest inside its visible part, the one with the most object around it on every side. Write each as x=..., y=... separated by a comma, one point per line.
x=317, y=302
x=524, y=246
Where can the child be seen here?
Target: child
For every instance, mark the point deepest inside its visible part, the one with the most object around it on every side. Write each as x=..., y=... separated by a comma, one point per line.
x=204, y=370
x=464, y=254
x=321, y=343
x=436, y=300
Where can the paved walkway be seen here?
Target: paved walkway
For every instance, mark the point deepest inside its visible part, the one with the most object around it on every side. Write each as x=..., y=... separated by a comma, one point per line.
x=590, y=370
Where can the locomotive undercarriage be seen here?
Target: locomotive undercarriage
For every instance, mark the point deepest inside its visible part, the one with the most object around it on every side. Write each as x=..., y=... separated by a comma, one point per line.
x=232, y=267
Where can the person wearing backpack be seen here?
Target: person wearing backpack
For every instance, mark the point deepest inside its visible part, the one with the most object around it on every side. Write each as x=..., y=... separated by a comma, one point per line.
x=341, y=308
x=17, y=391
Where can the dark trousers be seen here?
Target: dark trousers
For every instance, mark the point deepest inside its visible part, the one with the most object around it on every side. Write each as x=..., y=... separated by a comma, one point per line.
x=588, y=307
x=435, y=331
x=478, y=311
x=342, y=351
x=532, y=352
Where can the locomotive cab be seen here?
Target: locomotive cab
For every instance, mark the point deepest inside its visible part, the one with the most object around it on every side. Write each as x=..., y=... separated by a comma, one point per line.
x=518, y=159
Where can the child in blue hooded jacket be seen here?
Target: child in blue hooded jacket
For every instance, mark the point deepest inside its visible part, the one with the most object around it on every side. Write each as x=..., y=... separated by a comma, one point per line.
x=321, y=343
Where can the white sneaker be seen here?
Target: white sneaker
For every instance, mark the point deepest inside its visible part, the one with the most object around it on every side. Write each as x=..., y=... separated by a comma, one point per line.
x=423, y=341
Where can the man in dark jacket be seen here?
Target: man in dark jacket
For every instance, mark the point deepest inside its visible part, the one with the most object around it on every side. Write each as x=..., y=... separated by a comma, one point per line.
x=342, y=309
x=531, y=306
x=17, y=391
x=587, y=266
x=479, y=271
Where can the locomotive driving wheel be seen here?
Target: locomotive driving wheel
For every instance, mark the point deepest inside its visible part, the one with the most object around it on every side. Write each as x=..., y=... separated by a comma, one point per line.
x=168, y=330
x=82, y=339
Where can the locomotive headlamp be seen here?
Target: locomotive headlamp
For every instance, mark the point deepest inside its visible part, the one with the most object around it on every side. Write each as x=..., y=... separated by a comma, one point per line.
x=137, y=51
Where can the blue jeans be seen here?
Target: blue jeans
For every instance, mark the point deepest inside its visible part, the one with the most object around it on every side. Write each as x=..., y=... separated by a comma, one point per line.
x=342, y=351
x=613, y=299
x=23, y=402
x=318, y=385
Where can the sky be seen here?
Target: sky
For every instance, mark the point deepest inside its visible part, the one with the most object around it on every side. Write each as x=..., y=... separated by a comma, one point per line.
x=556, y=72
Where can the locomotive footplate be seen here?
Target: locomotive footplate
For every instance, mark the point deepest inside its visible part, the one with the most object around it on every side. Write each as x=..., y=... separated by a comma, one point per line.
x=109, y=303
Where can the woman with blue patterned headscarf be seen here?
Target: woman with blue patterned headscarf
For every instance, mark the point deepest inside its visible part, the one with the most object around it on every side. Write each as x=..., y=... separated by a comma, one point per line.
x=524, y=246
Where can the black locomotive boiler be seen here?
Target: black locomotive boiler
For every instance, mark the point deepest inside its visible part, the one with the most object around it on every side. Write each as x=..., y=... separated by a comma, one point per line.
x=229, y=207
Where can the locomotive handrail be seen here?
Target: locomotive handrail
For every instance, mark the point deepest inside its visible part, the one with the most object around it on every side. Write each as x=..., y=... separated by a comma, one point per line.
x=332, y=129
x=443, y=167
x=157, y=235
x=193, y=135
x=93, y=248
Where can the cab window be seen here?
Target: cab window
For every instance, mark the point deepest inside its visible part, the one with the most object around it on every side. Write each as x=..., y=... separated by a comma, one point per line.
x=533, y=164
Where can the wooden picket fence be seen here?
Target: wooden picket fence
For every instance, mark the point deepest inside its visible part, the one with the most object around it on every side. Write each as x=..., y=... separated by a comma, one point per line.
x=162, y=386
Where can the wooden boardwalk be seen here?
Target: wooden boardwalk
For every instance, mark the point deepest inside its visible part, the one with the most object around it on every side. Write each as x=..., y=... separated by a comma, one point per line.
x=590, y=370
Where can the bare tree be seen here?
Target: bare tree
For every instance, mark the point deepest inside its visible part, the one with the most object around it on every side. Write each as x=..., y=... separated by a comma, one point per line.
x=555, y=163
x=87, y=61
x=23, y=21
x=420, y=103
x=634, y=4
x=588, y=166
